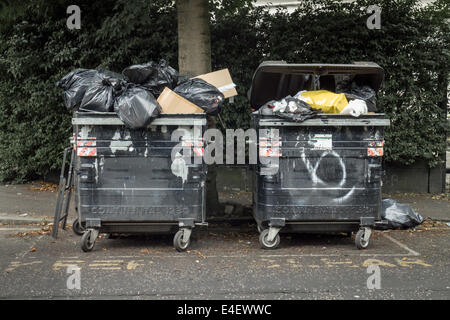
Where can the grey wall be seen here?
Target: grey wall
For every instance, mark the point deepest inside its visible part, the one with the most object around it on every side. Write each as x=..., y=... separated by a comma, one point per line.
x=416, y=178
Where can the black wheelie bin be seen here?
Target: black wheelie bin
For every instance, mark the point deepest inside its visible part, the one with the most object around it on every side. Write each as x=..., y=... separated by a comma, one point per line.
x=126, y=181
x=327, y=177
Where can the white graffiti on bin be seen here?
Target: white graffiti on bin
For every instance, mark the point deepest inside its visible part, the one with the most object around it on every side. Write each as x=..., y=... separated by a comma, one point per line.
x=312, y=170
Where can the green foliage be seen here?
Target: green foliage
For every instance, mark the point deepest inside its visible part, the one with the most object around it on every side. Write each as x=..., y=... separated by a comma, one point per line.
x=37, y=49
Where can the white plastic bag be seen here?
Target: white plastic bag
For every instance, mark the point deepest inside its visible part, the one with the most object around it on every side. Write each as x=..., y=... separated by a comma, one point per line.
x=355, y=108
x=280, y=106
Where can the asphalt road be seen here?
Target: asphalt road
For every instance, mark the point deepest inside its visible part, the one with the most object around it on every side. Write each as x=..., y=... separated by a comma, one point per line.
x=225, y=262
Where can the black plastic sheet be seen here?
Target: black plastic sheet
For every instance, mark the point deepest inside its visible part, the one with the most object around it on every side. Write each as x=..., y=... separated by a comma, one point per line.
x=202, y=94
x=136, y=107
x=354, y=91
x=398, y=215
x=153, y=76
x=74, y=86
x=295, y=110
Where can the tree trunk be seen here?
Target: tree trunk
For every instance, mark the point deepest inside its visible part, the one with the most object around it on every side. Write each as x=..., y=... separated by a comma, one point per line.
x=194, y=42
x=194, y=58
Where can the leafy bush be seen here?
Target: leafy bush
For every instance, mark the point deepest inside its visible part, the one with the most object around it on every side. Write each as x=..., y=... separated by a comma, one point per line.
x=37, y=49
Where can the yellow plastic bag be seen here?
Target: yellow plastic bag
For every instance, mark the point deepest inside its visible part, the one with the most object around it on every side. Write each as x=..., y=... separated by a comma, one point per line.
x=326, y=101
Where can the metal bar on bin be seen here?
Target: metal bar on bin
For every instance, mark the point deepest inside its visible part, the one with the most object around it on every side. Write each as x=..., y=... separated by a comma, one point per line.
x=327, y=122
x=60, y=199
x=113, y=121
x=68, y=187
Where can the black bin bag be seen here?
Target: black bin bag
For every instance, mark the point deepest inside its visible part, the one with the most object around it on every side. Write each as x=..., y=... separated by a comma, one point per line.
x=136, y=107
x=99, y=96
x=353, y=91
x=398, y=215
x=202, y=94
x=74, y=86
x=153, y=76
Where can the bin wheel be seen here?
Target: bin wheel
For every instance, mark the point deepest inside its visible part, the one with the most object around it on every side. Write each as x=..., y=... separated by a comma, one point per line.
x=77, y=228
x=178, y=242
x=86, y=243
x=266, y=244
x=359, y=240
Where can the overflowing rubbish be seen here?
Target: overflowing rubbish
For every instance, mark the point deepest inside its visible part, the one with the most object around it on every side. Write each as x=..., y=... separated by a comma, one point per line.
x=202, y=94
x=307, y=104
x=143, y=91
x=289, y=108
x=99, y=96
x=173, y=103
x=324, y=100
x=398, y=215
x=136, y=106
x=353, y=91
x=74, y=86
x=220, y=79
x=355, y=108
x=153, y=76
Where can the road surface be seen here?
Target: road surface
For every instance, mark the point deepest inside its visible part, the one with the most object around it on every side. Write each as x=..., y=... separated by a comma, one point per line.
x=225, y=262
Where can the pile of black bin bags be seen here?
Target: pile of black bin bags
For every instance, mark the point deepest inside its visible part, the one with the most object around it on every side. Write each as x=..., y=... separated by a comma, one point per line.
x=132, y=94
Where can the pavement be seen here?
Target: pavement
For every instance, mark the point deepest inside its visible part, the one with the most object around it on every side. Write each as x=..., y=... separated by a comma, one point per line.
x=223, y=262
x=29, y=203
x=35, y=202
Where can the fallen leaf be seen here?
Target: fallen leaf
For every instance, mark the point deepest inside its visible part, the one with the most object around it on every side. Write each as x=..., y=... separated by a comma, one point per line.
x=197, y=252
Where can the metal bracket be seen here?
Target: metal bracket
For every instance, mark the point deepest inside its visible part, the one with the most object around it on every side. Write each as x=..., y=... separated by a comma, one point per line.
x=273, y=231
x=367, y=221
x=367, y=233
x=277, y=222
x=94, y=234
x=186, y=234
x=93, y=223
x=381, y=223
x=374, y=173
x=186, y=223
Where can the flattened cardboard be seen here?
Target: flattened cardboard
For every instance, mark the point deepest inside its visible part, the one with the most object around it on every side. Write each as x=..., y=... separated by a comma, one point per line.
x=171, y=102
x=222, y=80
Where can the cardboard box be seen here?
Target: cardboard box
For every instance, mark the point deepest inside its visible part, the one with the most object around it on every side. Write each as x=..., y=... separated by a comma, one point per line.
x=221, y=80
x=171, y=102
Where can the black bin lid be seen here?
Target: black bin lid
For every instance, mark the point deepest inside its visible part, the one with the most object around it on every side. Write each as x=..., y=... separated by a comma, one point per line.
x=274, y=80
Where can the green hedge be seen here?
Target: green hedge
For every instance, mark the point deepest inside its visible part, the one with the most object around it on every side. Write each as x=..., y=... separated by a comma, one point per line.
x=36, y=50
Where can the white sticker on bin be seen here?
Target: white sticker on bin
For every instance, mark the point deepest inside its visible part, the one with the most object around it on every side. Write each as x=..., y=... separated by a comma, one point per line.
x=322, y=142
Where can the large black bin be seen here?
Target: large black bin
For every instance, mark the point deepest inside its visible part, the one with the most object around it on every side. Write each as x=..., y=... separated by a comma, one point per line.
x=126, y=181
x=327, y=177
